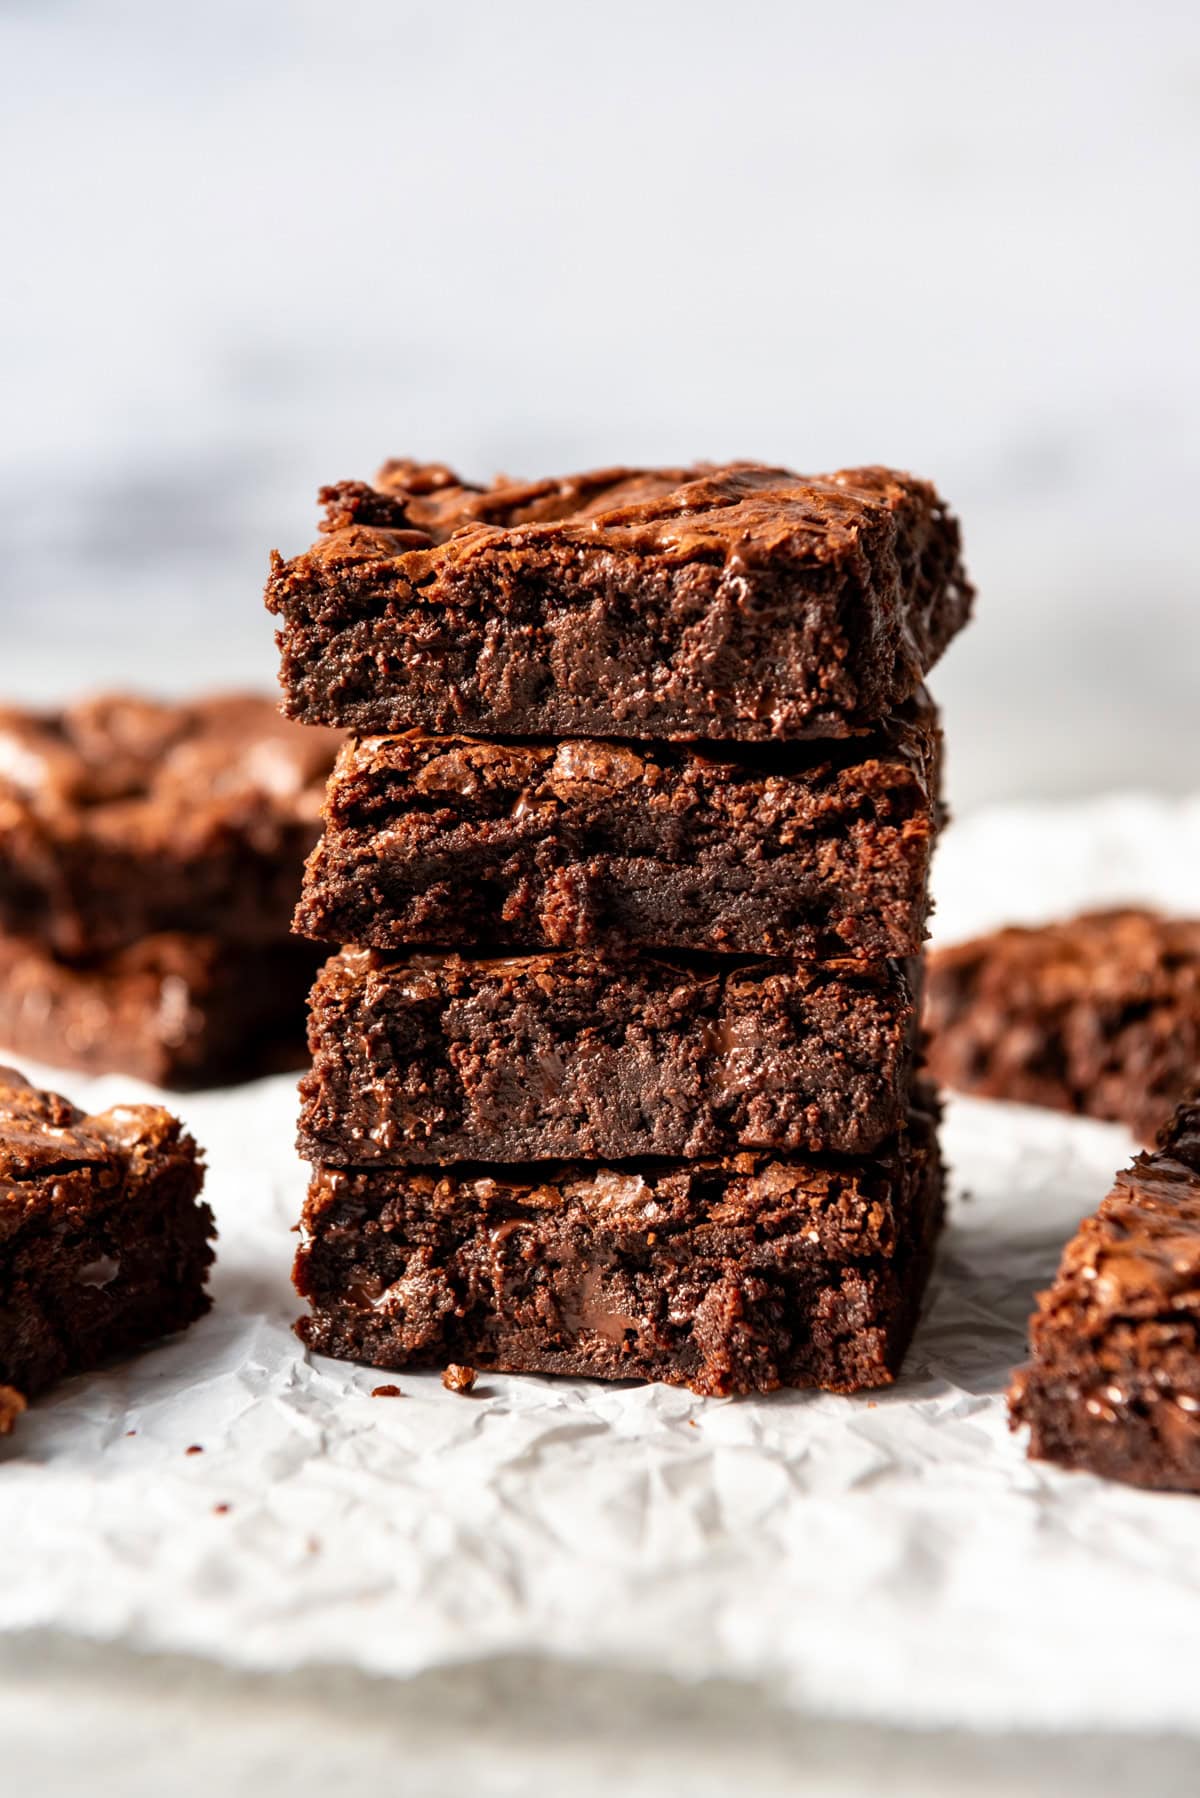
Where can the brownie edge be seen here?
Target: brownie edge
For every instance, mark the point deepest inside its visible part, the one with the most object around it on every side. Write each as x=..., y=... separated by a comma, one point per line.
x=815, y=851
x=727, y=1277
x=724, y=602
x=1113, y=1383
x=423, y=1058
x=105, y=1244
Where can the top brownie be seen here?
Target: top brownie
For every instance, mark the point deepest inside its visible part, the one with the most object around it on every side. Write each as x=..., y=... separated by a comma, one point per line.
x=737, y=602
x=121, y=817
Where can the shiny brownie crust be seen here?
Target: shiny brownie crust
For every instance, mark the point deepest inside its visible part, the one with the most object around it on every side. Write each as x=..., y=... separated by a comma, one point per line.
x=731, y=603
x=1113, y=1386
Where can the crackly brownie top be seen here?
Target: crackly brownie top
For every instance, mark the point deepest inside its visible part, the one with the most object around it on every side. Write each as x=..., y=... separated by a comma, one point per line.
x=1092, y=956
x=1139, y=1256
x=121, y=765
x=709, y=512
x=54, y=1155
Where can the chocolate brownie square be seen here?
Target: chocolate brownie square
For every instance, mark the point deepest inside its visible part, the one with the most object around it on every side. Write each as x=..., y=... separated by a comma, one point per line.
x=734, y=602
x=121, y=817
x=104, y=1242
x=813, y=851
x=429, y=1058
x=1099, y=1015
x=732, y=1275
x=1113, y=1387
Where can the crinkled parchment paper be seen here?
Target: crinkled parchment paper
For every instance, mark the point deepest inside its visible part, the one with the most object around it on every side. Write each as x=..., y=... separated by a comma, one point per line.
x=893, y=1557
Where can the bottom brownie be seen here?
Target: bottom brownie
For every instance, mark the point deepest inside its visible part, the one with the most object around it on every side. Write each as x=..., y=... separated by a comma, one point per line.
x=726, y=1276
x=1113, y=1387
x=104, y=1244
x=175, y=1010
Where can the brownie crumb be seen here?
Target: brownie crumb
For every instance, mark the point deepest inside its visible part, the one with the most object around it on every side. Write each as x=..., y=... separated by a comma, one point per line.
x=457, y=1378
x=12, y=1403
x=386, y=1392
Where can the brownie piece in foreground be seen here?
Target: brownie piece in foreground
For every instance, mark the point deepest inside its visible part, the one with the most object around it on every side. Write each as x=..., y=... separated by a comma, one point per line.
x=442, y=1058
x=175, y=1010
x=121, y=817
x=1099, y=1015
x=737, y=1275
x=808, y=851
x=1114, y=1384
x=734, y=602
x=104, y=1243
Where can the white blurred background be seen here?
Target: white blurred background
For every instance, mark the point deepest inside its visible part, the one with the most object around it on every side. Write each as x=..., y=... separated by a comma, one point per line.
x=254, y=245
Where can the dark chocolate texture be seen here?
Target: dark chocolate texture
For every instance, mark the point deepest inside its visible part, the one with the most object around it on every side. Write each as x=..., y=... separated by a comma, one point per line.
x=1113, y=1387
x=732, y=602
x=444, y=1058
x=104, y=1243
x=811, y=851
x=731, y=1276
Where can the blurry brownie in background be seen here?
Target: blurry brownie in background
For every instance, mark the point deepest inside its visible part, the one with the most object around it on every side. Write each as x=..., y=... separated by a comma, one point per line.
x=723, y=602
x=814, y=851
x=1099, y=1015
x=150, y=857
x=104, y=1242
x=1113, y=1387
x=733, y=1275
x=122, y=816
x=178, y=1011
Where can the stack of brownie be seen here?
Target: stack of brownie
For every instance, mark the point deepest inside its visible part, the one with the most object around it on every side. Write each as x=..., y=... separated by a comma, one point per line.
x=149, y=855
x=631, y=841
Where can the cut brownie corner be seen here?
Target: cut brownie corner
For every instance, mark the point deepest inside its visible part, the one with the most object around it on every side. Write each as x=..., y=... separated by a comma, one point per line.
x=105, y=1244
x=1112, y=1386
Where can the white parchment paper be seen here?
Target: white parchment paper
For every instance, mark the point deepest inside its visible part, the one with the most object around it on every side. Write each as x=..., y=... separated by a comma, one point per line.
x=892, y=1557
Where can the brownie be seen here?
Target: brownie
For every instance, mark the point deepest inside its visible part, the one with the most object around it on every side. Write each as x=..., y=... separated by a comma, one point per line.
x=723, y=602
x=1099, y=1015
x=1113, y=1387
x=179, y=1011
x=442, y=1058
x=104, y=1243
x=121, y=817
x=733, y=1275
x=813, y=851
